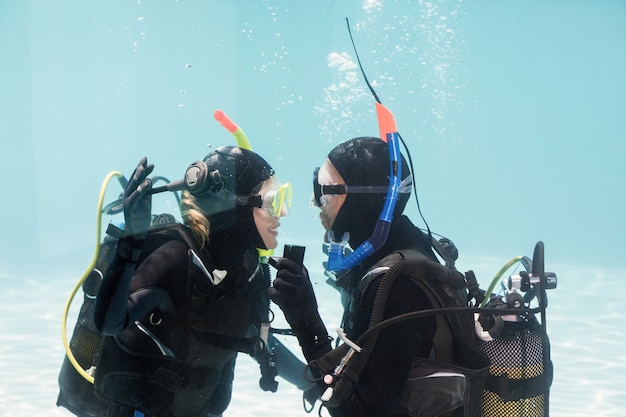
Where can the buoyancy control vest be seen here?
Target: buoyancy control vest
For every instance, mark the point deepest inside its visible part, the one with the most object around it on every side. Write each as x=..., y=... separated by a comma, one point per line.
x=452, y=379
x=182, y=362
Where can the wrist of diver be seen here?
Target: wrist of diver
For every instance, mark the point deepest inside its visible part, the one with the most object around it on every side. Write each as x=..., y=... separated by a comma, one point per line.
x=312, y=336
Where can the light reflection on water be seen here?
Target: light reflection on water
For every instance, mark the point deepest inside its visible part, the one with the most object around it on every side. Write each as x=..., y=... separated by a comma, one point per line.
x=585, y=322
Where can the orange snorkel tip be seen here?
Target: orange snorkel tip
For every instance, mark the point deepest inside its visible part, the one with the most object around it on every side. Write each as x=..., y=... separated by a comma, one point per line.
x=240, y=136
x=225, y=121
x=386, y=121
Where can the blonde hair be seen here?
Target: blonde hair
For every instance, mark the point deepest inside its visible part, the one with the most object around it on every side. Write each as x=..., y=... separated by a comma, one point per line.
x=194, y=218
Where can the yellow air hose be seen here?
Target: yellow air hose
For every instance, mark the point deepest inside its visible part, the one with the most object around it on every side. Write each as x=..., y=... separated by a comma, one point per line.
x=68, y=351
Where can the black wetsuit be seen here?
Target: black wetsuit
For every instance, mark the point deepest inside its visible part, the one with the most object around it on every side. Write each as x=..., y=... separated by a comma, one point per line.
x=382, y=381
x=169, y=354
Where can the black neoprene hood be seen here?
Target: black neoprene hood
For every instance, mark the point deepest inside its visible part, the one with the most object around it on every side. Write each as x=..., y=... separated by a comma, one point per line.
x=363, y=161
x=241, y=172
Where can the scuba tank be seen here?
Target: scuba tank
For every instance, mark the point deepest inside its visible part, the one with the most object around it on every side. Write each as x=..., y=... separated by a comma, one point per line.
x=518, y=381
x=516, y=343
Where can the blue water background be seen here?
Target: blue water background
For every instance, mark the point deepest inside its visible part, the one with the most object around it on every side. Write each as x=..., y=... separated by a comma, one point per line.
x=513, y=113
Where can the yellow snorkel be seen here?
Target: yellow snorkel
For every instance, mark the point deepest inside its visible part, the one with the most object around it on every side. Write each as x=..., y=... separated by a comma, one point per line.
x=244, y=143
x=234, y=129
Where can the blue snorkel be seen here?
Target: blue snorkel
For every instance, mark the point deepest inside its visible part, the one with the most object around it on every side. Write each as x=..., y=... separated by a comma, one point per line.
x=336, y=259
x=337, y=262
x=390, y=135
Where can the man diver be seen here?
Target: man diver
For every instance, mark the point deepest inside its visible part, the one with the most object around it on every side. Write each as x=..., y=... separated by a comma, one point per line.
x=350, y=189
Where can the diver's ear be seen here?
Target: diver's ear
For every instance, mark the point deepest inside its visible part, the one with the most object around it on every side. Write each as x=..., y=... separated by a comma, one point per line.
x=200, y=181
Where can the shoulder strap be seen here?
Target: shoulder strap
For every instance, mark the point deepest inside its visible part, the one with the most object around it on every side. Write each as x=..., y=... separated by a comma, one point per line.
x=158, y=235
x=443, y=287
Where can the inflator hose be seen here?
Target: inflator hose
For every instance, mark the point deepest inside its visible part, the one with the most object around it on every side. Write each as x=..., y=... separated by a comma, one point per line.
x=498, y=276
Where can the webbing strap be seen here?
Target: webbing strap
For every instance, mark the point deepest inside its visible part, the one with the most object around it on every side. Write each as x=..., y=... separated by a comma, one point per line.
x=510, y=389
x=442, y=341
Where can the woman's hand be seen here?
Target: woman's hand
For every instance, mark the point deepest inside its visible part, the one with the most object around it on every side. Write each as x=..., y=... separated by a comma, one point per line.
x=292, y=291
x=137, y=201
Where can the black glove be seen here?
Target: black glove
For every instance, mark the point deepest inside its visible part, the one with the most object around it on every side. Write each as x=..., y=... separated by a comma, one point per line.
x=293, y=293
x=137, y=201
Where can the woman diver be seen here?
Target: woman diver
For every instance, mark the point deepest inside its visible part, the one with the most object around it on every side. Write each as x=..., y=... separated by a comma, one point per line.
x=177, y=301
